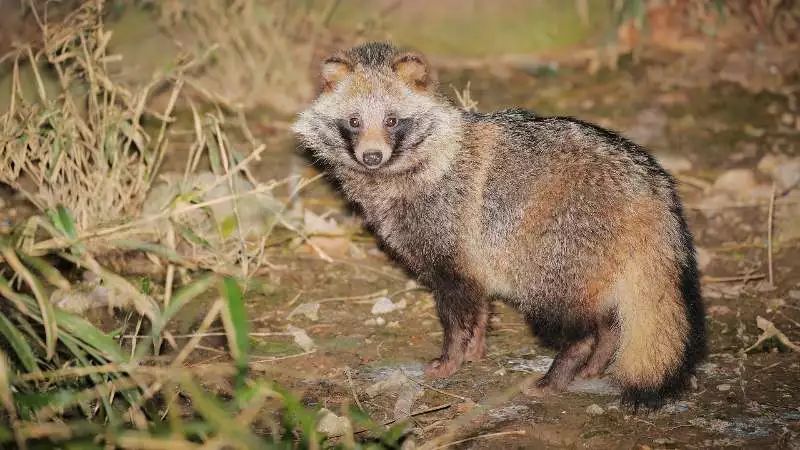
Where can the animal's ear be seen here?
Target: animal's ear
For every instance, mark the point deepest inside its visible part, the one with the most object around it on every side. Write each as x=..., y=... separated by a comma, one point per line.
x=414, y=70
x=334, y=69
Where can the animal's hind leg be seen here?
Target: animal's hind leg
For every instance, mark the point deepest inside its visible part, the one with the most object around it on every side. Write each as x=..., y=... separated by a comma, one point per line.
x=604, y=349
x=476, y=347
x=565, y=365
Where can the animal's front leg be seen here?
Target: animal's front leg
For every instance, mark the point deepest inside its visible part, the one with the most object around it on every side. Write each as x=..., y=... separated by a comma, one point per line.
x=462, y=309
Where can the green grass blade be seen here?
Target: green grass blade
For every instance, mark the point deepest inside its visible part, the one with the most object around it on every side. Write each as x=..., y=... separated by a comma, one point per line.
x=45, y=307
x=219, y=417
x=234, y=318
x=22, y=302
x=50, y=273
x=64, y=222
x=18, y=343
x=182, y=297
x=91, y=335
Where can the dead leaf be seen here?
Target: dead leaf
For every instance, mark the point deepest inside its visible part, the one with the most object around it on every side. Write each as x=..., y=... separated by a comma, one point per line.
x=301, y=338
x=770, y=331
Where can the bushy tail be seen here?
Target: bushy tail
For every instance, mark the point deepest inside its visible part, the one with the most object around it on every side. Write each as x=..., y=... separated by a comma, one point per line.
x=662, y=328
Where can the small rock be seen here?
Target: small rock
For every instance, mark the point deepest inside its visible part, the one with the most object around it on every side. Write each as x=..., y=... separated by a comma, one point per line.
x=781, y=168
x=794, y=294
x=384, y=305
x=735, y=180
x=595, y=410
x=393, y=324
x=378, y=321
x=723, y=387
x=301, y=338
x=331, y=424
x=310, y=310
x=765, y=286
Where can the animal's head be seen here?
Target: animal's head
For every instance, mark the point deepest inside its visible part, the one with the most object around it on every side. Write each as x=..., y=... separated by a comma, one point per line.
x=377, y=112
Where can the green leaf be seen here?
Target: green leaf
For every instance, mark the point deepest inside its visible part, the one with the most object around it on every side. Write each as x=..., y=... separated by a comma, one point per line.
x=182, y=297
x=64, y=222
x=91, y=335
x=191, y=236
x=298, y=417
x=228, y=226
x=234, y=317
x=218, y=416
x=30, y=402
x=213, y=156
x=18, y=343
x=46, y=309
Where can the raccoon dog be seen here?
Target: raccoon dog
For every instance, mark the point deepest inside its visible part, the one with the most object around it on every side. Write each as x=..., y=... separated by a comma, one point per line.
x=577, y=227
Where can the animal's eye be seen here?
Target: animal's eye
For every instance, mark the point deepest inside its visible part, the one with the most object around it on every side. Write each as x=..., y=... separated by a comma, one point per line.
x=390, y=122
x=354, y=122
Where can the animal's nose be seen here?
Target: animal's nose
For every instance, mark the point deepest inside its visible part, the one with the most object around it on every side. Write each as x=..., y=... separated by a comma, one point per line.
x=372, y=158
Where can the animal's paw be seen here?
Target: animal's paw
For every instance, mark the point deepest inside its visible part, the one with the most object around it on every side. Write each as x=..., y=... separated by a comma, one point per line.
x=441, y=368
x=541, y=388
x=590, y=371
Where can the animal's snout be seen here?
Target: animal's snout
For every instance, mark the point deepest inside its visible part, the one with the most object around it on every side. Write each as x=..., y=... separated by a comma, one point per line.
x=372, y=158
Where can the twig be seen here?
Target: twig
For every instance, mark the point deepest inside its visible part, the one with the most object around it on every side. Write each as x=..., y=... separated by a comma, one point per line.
x=427, y=386
x=744, y=278
x=482, y=436
x=769, y=232
x=353, y=389
x=413, y=414
x=279, y=358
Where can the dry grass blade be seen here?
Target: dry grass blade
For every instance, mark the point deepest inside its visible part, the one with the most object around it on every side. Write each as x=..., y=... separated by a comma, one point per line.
x=86, y=148
x=7, y=399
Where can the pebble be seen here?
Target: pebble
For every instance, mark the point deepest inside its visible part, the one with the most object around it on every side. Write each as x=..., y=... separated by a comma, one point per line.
x=794, y=294
x=723, y=387
x=595, y=410
x=384, y=305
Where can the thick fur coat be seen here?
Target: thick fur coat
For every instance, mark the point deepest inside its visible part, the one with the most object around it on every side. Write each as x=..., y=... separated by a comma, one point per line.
x=578, y=228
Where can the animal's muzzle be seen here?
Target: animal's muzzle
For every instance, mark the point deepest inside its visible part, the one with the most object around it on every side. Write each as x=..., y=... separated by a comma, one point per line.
x=372, y=158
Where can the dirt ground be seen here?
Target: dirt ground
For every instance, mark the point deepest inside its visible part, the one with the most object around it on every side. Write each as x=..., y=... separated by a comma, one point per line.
x=747, y=400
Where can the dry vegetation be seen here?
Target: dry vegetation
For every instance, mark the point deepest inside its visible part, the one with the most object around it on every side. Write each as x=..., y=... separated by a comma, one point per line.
x=87, y=158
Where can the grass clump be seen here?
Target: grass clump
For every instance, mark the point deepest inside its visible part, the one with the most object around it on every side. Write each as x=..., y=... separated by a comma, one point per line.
x=87, y=157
